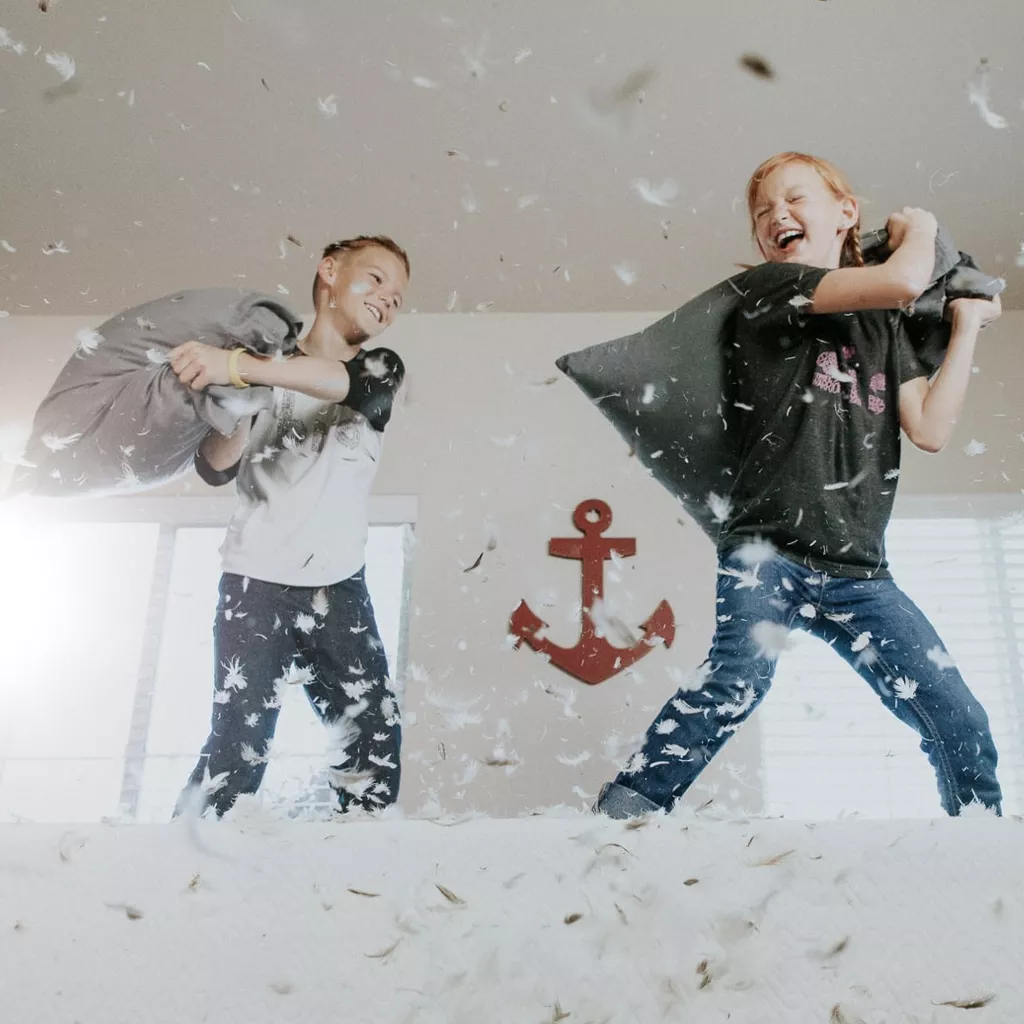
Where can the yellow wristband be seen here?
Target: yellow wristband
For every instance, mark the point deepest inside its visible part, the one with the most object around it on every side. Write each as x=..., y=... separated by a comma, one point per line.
x=233, y=376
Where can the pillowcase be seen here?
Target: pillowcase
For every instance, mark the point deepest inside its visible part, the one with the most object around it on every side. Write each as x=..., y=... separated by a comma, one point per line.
x=117, y=418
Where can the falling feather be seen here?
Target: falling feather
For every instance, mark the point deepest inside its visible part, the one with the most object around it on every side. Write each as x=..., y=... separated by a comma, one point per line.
x=573, y=760
x=746, y=579
x=320, y=603
x=721, y=507
x=613, y=109
x=457, y=713
x=837, y=1016
x=610, y=626
x=506, y=442
x=968, y=1004
x=7, y=43
x=63, y=64
x=625, y=273
x=234, y=678
x=861, y=642
x=57, y=444
x=843, y=484
x=772, y=638
x=249, y=755
x=661, y=194
x=905, y=689
x=734, y=709
x=757, y=66
x=88, y=341
x=940, y=658
x=755, y=552
x=978, y=95
x=973, y=448
x=674, y=750
x=328, y=106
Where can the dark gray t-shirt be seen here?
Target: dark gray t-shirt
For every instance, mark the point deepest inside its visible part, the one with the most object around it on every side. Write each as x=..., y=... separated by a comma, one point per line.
x=815, y=414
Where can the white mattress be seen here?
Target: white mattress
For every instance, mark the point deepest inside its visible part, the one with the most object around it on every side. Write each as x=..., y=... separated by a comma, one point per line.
x=252, y=922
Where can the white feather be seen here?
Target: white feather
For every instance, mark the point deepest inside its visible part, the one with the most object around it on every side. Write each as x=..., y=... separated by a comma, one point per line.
x=905, y=689
x=57, y=444
x=234, y=678
x=63, y=64
x=721, y=507
x=7, y=43
x=941, y=658
x=88, y=340
x=320, y=603
x=574, y=759
x=657, y=195
x=978, y=94
x=625, y=273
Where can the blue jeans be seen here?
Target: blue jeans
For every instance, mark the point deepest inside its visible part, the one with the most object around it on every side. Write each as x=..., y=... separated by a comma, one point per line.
x=757, y=606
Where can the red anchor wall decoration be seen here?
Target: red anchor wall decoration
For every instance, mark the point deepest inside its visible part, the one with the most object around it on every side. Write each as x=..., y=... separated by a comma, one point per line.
x=593, y=659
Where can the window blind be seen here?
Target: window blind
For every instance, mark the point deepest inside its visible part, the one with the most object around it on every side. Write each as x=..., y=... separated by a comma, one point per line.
x=831, y=748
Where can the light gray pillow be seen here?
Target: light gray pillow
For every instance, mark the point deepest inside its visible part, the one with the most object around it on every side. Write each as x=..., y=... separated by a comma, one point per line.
x=117, y=419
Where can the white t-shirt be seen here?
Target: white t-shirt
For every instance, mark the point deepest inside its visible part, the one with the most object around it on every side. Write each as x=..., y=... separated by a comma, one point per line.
x=304, y=493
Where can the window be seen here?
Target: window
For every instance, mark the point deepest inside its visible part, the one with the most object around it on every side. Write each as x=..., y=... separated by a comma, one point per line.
x=831, y=749
x=106, y=654
x=72, y=637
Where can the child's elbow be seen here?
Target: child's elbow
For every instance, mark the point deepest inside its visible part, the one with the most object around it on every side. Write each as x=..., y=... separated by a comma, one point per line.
x=334, y=394
x=908, y=288
x=927, y=442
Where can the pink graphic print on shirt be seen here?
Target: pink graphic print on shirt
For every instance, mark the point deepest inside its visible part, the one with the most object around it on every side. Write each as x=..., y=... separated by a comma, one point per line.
x=835, y=381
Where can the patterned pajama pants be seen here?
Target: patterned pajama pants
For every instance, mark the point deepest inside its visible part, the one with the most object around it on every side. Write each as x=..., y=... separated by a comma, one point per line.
x=268, y=637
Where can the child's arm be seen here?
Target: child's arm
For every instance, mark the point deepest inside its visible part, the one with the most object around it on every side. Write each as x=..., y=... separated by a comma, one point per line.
x=897, y=282
x=218, y=456
x=198, y=365
x=929, y=410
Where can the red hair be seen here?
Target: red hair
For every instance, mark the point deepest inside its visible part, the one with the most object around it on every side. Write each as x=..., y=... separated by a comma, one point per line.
x=833, y=178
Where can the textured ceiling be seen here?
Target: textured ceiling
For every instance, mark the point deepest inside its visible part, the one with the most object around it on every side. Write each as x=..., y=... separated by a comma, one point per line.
x=519, y=150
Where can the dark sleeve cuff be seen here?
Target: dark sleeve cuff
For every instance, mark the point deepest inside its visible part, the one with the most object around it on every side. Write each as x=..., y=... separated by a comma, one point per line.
x=214, y=477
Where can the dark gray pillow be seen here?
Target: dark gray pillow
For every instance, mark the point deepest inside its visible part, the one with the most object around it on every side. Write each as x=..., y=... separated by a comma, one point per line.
x=956, y=276
x=117, y=419
x=665, y=388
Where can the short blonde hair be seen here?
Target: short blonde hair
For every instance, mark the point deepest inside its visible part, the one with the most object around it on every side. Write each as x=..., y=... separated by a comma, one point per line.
x=354, y=245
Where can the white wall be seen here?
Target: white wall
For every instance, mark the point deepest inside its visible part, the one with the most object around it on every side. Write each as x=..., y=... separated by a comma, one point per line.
x=494, y=442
